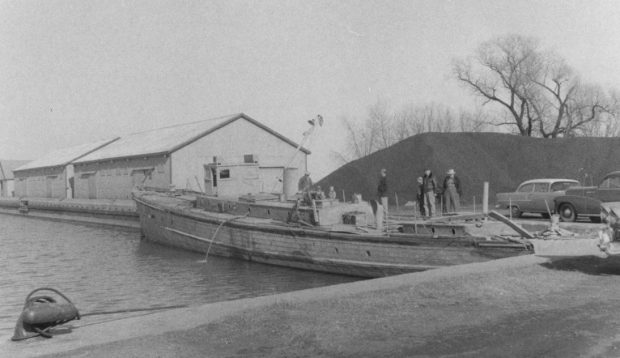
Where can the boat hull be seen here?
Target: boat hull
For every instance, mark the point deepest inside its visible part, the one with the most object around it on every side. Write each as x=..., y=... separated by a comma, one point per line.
x=172, y=222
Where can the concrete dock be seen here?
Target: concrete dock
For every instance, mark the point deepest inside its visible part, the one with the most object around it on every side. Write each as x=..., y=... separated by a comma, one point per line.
x=522, y=306
x=119, y=213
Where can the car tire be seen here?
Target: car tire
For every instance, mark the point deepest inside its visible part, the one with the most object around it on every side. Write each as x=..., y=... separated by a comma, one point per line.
x=515, y=212
x=567, y=212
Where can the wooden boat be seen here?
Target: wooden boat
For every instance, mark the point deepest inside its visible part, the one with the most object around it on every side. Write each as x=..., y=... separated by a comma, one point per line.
x=328, y=235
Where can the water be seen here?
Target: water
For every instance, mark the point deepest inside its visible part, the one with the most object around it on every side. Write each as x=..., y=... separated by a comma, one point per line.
x=104, y=269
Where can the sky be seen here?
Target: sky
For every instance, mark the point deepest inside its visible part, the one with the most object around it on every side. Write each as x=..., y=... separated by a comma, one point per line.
x=76, y=71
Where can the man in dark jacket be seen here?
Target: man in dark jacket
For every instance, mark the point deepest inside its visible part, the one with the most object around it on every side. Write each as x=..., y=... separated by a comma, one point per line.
x=420, y=196
x=305, y=183
x=382, y=190
x=382, y=187
x=430, y=189
x=452, y=192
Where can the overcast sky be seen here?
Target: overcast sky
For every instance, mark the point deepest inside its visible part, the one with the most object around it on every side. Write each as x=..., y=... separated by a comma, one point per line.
x=76, y=71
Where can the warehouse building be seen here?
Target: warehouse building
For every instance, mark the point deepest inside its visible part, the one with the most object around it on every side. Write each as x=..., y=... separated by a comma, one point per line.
x=7, y=180
x=51, y=176
x=180, y=156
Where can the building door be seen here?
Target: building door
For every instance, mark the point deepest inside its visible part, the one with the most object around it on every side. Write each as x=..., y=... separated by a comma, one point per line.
x=92, y=187
x=210, y=180
x=138, y=177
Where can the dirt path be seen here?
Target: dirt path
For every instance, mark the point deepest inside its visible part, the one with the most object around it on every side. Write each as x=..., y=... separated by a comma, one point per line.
x=564, y=309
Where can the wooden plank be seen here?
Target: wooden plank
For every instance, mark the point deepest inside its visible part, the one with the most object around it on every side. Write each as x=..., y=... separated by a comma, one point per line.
x=516, y=227
x=459, y=217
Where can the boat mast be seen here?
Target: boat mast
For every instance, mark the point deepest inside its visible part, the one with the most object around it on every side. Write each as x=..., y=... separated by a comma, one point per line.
x=318, y=120
x=307, y=134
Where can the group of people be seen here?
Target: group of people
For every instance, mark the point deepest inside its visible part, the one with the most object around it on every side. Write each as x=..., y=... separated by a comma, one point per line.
x=427, y=192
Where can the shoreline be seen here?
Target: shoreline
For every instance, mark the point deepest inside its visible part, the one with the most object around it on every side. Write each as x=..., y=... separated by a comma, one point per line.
x=522, y=306
x=104, y=331
x=116, y=213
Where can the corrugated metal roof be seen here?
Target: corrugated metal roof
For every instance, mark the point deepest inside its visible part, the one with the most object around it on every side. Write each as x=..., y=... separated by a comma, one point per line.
x=168, y=139
x=7, y=167
x=64, y=156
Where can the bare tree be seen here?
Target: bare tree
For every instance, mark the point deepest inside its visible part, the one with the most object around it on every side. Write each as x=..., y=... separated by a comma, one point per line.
x=565, y=106
x=433, y=117
x=382, y=128
x=360, y=139
x=500, y=73
x=380, y=123
x=476, y=121
x=591, y=112
x=541, y=93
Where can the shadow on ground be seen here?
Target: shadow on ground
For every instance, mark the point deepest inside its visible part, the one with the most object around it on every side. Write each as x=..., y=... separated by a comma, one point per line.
x=590, y=265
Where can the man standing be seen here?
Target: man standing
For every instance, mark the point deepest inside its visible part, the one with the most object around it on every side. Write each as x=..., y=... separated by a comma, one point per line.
x=430, y=188
x=382, y=189
x=304, y=186
x=305, y=183
x=420, y=196
x=452, y=192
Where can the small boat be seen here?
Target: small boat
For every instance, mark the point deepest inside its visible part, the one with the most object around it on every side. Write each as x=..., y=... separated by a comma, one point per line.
x=310, y=232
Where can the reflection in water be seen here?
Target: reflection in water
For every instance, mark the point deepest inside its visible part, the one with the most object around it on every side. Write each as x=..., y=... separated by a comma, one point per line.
x=101, y=268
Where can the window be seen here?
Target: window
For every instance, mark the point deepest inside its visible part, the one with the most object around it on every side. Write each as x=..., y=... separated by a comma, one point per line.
x=611, y=183
x=225, y=174
x=526, y=188
x=562, y=185
x=541, y=187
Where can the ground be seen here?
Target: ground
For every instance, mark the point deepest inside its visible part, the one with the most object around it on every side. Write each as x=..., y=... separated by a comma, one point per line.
x=520, y=307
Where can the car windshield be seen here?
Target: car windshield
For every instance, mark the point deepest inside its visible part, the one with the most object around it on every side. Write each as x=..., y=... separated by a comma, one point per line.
x=526, y=188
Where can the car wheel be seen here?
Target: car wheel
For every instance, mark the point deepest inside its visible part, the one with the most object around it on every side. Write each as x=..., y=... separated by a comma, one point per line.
x=515, y=212
x=595, y=219
x=567, y=212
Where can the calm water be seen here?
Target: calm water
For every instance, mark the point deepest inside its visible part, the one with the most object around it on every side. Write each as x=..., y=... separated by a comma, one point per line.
x=102, y=268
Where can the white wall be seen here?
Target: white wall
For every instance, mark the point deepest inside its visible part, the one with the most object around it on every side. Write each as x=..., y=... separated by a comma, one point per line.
x=7, y=187
x=114, y=179
x=34, y=183
x=231, y=142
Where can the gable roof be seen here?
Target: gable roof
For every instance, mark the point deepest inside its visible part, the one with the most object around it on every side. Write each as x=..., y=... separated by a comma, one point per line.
x=64, y=156
x=7, y=167
x=170, y=139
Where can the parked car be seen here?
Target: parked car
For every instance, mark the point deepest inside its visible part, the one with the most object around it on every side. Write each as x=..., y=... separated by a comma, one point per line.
x=586, y=200
x=534, y=196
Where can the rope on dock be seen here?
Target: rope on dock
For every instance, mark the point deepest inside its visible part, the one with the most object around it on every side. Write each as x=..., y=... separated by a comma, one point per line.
x=130, y=310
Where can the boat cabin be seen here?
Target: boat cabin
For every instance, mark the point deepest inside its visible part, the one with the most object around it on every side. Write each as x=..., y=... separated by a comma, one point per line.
x=232, y=179
x=237, y=188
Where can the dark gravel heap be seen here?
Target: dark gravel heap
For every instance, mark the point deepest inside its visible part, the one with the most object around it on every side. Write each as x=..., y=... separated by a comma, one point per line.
x=504, y=160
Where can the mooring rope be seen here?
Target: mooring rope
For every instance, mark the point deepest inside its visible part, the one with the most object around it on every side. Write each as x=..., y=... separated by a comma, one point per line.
x=131, y=310
x=25, y=331
x=218, y=229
